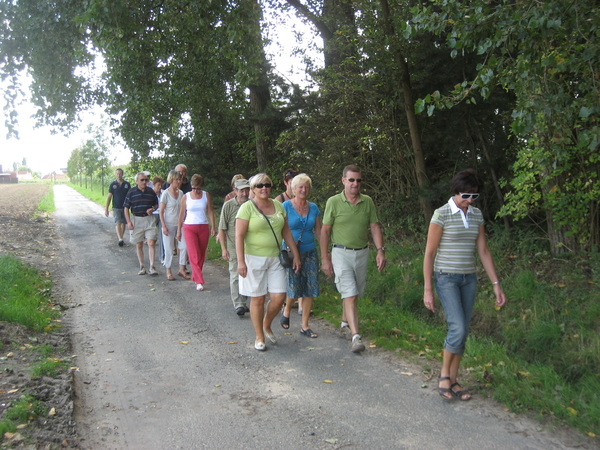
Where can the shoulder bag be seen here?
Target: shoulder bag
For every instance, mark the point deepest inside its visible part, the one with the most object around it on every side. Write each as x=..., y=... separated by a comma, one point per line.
x=284, y=257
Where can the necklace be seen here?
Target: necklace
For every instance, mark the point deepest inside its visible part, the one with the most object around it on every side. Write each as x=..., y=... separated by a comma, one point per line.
x=299, y=208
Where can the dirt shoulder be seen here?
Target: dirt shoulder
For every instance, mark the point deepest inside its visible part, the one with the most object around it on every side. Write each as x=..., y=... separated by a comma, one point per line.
x=35, y=242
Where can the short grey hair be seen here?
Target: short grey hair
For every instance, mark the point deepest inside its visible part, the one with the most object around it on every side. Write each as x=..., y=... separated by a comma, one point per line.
x=259, y=178
x=301, y=178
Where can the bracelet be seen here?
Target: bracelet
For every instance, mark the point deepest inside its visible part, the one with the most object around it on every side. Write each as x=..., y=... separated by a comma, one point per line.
x=495, y=282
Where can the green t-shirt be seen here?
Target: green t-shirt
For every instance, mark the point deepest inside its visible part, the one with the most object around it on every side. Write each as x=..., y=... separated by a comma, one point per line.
x=259, y=240
x=350, y=224
x=227, y=223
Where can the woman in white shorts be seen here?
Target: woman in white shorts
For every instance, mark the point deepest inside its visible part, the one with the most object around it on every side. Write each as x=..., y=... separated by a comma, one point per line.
x=258, y=256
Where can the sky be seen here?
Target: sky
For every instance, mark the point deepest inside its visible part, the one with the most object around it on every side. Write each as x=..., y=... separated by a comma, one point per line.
x=46, y=152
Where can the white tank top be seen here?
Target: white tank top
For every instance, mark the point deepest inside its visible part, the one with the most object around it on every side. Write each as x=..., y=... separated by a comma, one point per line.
x=196, y=210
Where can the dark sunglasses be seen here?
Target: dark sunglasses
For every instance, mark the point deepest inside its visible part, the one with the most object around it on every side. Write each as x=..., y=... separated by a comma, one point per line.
x=262, y=185
x=291, y=173
x=466, y=196
x=352, y=180
x=144, y=179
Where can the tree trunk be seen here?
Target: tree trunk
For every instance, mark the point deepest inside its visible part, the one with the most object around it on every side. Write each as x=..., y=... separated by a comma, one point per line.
x=409, y=109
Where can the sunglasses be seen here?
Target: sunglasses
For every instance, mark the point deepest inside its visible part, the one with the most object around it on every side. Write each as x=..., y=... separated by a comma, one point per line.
x=262, y=185
x=352, y=180
x=291, y=173
x=467, y=196
x=144, y=179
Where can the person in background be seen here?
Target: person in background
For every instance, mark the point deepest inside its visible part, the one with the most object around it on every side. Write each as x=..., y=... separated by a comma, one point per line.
x=347, y=220
x=140, y=202
x=149, y=184
x=259, y=229
x=455, y=230
x=227, y=242
x=116, y=192
x=305, y=223
x=170, y=203
x=186, y=186
x=196, y=223
x=233, y=193
x=157, y=184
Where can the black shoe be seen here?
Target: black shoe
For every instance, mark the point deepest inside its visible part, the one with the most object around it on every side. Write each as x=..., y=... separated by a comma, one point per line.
x=246, y=309
x=121, y=243
x=240, y=311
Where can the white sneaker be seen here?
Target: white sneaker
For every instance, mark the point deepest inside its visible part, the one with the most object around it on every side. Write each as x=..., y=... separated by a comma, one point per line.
x=152, y=271
x=344, y=325
x=357, y=345
x=199, y=287
x=142, y=271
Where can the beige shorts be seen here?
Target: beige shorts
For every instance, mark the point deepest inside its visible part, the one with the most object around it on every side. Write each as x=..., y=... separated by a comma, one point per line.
x=143, y=228
x=350, y=268
x=265, y=274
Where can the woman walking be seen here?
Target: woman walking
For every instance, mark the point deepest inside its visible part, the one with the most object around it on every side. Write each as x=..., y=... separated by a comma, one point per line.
x=305, y=223
x=260, y=226
x=195, y=215
x=170, y=203
x=455, y=230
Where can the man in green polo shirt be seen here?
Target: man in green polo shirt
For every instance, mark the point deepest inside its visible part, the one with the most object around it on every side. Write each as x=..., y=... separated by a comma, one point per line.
x=347, y=220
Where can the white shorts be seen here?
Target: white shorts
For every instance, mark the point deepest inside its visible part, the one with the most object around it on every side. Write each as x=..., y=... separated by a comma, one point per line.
x=265, y=274
x=350, y=268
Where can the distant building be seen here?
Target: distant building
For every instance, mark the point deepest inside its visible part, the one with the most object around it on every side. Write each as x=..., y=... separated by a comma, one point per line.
x=8, y=177
x=24, y=175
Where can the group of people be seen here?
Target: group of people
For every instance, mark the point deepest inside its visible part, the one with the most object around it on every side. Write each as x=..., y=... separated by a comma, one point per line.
x=185, y=220
x=254, y=230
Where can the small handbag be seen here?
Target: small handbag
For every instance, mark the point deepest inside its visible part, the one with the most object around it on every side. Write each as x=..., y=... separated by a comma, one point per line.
x=284, y=257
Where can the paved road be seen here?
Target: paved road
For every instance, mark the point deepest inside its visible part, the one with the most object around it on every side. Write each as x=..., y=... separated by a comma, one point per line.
x=139, y=387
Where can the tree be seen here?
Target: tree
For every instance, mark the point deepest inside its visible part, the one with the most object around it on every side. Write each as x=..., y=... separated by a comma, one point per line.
x=547, y=54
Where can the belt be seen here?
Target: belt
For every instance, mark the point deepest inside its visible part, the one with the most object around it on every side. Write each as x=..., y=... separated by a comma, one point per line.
x=141, y=215
x=348, y=248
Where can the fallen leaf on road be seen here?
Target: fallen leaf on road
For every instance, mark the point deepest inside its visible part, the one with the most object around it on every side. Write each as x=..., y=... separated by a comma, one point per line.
x=327, y=381
x=233, y=342
x=217, y=385
x=12, y=391
x=331, y=441
x=150, y=285
x=590, y=434
x=572, y=411
x=76, y=369
x=408, y=373
x=372, y=345
x=184, y=342
x=52, y=412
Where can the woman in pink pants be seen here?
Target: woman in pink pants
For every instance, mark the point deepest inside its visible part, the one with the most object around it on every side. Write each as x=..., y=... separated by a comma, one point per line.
x=196, y=213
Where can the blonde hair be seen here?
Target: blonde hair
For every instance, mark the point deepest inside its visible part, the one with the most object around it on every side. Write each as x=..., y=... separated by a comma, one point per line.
x=173, y=174
x=239, y=176
x=259, y=178
x=197, y=181
x=301, y=179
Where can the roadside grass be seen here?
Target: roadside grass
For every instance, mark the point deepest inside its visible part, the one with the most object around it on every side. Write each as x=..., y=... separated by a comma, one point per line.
x=539, y=354
x=46, y=204
x=94, y=195
x=22, y=411
x=24, y=295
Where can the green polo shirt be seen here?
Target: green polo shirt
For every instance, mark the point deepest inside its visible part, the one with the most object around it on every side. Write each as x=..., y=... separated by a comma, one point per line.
x=350, y=224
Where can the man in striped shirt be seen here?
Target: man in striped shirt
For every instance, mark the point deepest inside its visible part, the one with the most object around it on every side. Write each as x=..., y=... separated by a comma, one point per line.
x=140, y=202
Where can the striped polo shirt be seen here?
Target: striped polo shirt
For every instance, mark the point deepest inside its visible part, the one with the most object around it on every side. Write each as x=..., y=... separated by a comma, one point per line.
x=456, y=252
x=139, y=201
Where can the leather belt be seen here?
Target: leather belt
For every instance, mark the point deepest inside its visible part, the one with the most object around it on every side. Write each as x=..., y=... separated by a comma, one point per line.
x=348, y=248
x=141, y=215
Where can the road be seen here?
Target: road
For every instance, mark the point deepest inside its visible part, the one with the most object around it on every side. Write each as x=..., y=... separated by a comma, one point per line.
x=163, y=366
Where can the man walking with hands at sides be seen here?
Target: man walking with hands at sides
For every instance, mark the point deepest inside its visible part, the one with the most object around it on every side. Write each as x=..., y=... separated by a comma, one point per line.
x=142, y=202
x=116, y=192
x=227, y=241
x=348, y=217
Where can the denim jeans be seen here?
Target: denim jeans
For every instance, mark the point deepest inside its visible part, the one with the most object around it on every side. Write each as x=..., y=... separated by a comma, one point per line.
x=457, y=295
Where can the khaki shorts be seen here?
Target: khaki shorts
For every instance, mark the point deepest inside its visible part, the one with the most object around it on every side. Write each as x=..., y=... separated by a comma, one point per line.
x=265, y=274
x=143, y=228
x=119, y=215
x=350, y=268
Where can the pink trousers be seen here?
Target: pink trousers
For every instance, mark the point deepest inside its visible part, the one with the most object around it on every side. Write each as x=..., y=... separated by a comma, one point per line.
x=196, y=240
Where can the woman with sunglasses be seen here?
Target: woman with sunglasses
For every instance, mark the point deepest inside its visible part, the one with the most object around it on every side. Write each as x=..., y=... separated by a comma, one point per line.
x=260, y=226
x=455, y=230
x=195, y=215
x=288, y=194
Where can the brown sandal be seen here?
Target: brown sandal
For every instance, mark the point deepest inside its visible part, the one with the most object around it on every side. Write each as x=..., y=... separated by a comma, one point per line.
x=460, y=394
x=184, y=275
x=443, y=391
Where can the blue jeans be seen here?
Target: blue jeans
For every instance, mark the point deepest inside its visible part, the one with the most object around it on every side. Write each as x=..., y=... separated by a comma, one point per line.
x=457, y=295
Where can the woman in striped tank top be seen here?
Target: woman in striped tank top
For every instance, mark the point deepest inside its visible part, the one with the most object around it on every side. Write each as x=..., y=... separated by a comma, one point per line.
x=455, y=230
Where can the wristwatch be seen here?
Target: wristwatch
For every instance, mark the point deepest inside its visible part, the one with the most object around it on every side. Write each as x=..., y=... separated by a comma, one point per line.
x=382, y=248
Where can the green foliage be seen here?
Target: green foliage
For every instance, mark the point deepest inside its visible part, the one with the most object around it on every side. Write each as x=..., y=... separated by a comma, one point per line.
x=23, y=295
x=51, y=367
x=25, y=409
x=47, y=202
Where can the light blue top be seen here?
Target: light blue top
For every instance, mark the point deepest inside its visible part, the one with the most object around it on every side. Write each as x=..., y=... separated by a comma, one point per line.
x=296, y=222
